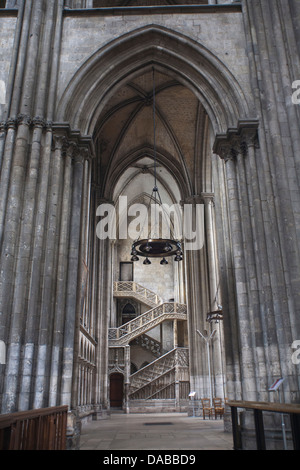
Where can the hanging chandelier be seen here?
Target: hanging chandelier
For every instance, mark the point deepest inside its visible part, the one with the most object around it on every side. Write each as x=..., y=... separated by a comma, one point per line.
x=153, y=246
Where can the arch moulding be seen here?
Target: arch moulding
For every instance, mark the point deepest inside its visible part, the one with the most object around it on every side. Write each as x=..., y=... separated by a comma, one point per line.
x=182, y=58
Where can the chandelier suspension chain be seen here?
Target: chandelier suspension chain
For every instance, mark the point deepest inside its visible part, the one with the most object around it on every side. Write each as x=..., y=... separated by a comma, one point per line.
x=155, y=246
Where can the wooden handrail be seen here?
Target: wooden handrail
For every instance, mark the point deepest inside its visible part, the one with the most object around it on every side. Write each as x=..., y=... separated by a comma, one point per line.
x=293, y=410
x=266, y=406
x=42, y=429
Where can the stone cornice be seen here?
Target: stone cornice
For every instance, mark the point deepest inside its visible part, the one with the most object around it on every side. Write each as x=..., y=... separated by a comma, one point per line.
x=84, y=142
x=63, y=135
x=155, y=9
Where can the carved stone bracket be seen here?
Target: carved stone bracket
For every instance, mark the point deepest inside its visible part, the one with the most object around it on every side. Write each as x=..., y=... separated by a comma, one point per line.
x=237, y=140
x=79, y=147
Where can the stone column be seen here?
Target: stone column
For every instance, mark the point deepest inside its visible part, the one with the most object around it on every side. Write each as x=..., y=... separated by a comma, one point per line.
x=126, y=377
x=9, y=133
x=7, y=260
x=83, y=267
x=62, y=270
x=74, y=259
x=104, y=305
x=197, y=306
x=30, y=258
x=278, y=166
x=214, y=292
x=48, y=279
x=230, y=151
x=175, y=333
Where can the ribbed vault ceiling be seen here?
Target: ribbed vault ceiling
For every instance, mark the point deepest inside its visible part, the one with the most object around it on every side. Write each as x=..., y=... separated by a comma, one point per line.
x=124, y=134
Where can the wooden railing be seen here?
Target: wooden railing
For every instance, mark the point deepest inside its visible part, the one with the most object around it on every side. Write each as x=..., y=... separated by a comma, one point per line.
x=258, y=408
x=43, y=429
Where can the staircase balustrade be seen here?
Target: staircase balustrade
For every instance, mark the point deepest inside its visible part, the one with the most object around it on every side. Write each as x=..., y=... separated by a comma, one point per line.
x=135, y=290
x=145, y=322
x=174, y=358
x=149, y=344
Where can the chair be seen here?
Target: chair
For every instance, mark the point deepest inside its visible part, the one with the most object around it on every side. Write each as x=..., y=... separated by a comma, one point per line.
x=218, y=407
x=206, y=407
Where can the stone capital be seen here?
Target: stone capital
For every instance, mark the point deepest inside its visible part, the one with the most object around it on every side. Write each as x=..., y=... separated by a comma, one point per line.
x=59, y=142
x=3, y=126
x=208, y=198
x=38, y=121
x=237, y=140
x=24, y=119
x=70, y=149
x=11, y=123
x=192, y=199
x=84, y=152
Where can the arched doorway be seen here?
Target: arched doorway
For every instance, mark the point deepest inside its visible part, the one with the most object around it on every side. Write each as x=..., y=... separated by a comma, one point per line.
x=116, y=390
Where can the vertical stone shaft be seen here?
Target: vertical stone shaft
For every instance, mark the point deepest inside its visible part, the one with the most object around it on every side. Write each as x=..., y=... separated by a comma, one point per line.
x=264, y=325
x=73, y=276
x=7, y=260
x=6, y=170
x=227, y=289
x=83, y=276
x=32, y=304
x=48, y=281
x=255, y=331
x=279, y=168
x=197, y=303
x=61, y=281
x=21, y=166
x=213, y=290
x=246, y=345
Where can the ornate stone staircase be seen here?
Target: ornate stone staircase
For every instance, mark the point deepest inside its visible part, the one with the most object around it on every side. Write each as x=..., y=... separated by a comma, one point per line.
x=153, y=379
x=130, y=289
x=167, y=311
x=166, y=379
x=148, y=343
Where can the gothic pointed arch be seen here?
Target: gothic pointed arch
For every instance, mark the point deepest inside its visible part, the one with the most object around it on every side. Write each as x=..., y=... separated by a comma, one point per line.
x=187, y=61
x=165, y=159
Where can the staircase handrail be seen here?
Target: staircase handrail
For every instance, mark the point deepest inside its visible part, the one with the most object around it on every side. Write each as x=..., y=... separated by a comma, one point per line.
x=141, y=292
x=147, y=321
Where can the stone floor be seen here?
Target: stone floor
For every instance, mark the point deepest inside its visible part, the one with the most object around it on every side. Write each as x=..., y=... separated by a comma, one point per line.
x=155, y=432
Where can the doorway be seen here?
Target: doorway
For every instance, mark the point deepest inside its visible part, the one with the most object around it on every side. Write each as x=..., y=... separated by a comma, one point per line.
x=116, y=390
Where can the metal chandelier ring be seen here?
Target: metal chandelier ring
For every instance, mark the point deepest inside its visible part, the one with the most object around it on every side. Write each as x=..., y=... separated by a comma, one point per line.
x=156, y=248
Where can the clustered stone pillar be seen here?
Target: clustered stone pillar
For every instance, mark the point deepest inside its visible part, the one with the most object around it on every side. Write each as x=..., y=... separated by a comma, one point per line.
x=45, y=178
x=41, y=267
x=254, y=269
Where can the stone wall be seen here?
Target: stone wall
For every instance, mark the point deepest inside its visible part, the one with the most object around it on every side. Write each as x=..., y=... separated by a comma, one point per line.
x=7, y=28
